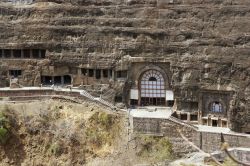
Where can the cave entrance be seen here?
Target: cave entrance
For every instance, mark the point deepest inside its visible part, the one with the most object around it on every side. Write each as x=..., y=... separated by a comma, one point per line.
x=152, y=89
x=214, y=123
x=46, y=80
x=15, y=73
x=57, y=80
x=67, y=80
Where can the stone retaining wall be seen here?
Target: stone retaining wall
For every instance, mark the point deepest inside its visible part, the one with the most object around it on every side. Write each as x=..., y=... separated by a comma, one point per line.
x=14, y=93
x=165, y=127
x=242, y=154
x=207, y=141
x=37, y=92
x=212, y=141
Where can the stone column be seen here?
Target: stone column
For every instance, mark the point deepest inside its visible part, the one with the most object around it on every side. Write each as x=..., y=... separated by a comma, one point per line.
x=101, y=73
x=39, y=54
x=178, y=115
x=11, y=53
x=219, y=123
x=109, y=73
x=31, y=53
x=62, y=80
x=53, y=80
x=79, y=71
x=188, y=116
x=113, y=75
x=22, y=54
x=209, y=121
x=94, y=71
x=200, y=121
x=87, y=76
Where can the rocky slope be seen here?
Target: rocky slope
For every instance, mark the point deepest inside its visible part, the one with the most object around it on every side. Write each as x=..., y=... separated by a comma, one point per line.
x=54, y=132
x=57, y=133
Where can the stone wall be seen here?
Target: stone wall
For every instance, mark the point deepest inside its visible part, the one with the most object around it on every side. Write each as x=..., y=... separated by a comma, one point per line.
x=15, y=93
x=42, y=92
x=207, y=141
x=242, y=154
x=168, y=128
x=35, y=94
x=212, y=141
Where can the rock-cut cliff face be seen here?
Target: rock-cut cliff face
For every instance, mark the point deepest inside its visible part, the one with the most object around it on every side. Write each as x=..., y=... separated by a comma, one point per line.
x=206, y=42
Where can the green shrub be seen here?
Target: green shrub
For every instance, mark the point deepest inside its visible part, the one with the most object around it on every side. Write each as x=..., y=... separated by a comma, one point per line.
x=102, y=119
x=229, y=162
x=106, y=120
x=158, y=148
x=4, y=122
x=165, y=149
x=55, y=108
x=95, y=137
x=55, y=149
x=102, y=129
x=4, y=125
x=3, y=135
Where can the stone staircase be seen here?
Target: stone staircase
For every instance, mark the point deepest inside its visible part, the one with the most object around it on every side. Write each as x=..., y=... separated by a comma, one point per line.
x=86, y=94
x=98, y=99
x=181, y=147
x=180, y=122
x=108, y=95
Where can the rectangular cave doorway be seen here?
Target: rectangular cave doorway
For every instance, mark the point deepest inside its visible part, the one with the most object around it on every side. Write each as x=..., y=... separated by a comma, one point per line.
x=97, y=73
x=153, y=101
x=57, y=80
x=67, y=80
x=46, y=80
x=214, y=123
x=133, y=103
x=170, y=103
x=15, y=73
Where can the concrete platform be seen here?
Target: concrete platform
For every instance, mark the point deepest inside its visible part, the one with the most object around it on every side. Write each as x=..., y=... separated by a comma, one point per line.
x=151, y=112
x=213, y=129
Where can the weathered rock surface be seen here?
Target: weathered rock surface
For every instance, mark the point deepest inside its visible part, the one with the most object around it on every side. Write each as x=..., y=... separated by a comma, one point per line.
x=207, y=42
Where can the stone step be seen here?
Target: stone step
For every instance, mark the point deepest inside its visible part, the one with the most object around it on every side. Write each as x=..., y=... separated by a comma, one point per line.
x=86, y=94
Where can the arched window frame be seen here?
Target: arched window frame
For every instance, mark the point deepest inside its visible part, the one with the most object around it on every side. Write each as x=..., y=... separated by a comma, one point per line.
x=214, y=109
x=153, y=84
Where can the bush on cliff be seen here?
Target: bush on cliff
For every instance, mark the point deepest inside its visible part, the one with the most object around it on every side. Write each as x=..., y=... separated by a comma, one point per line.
x=4, y=125
x=102, y=129
x=158, y=148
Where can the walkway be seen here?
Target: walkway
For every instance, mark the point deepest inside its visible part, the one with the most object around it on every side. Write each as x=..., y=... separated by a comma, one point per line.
x=61, y=89
x=151, y=112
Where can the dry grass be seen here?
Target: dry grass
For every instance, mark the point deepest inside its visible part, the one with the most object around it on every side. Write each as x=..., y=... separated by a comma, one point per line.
x=58, y=131
x=102, y=130
x=155, y=148
x=229, y=162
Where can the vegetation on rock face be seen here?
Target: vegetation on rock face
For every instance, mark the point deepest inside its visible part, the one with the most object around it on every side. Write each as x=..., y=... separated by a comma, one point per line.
x=102, y=129
x=57, y=132
x=55, y=149
x=229, y=162
x=3, y=135
x=157, y=148
x=4, y=125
